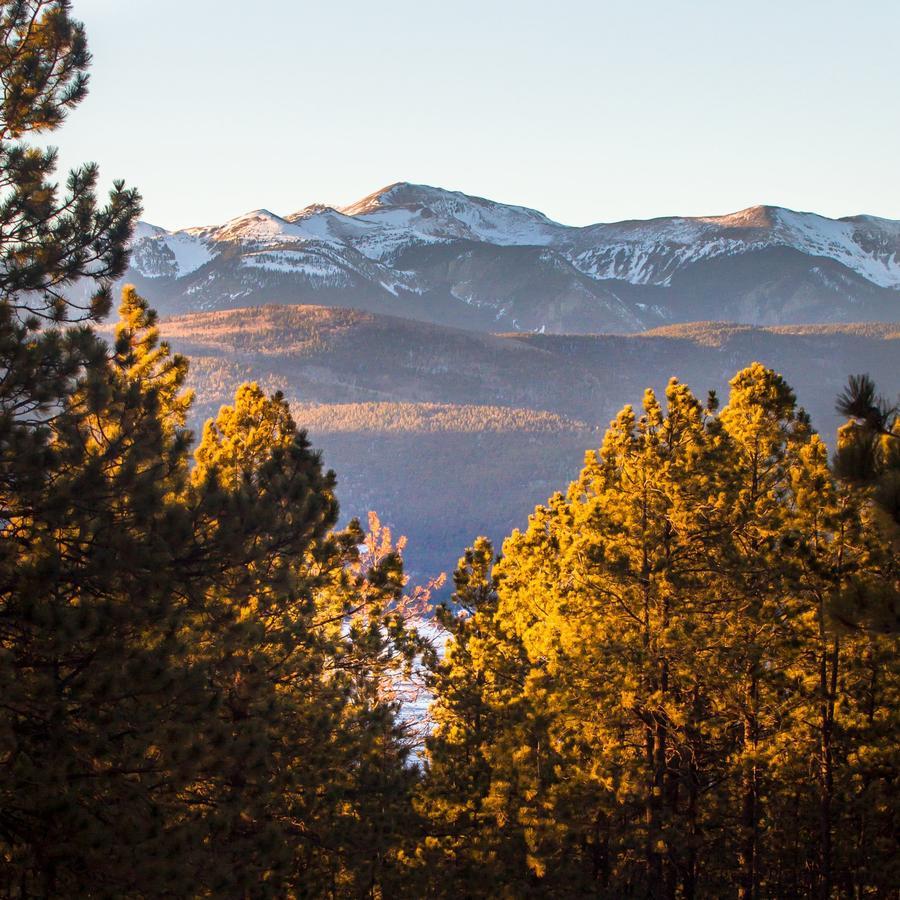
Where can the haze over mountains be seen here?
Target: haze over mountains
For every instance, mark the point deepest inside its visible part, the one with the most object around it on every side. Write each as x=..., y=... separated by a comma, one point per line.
x=448, y=258
x=454, y=357
x=449, y=433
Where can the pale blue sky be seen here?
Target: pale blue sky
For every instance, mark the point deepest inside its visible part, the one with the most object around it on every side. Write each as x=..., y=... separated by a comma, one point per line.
x=588, y=111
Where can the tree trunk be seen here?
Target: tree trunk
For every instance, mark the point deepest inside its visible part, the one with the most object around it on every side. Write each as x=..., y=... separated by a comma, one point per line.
x=689, y=880
x=748, y=887
x=654, y=858
x=828, y=688
x=600, y=851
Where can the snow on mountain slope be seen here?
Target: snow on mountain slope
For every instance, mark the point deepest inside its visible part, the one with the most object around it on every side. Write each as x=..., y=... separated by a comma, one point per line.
x=157, y=253
x=145, y=230
x=515, y=267
x=866, y=244
x=453, y=215
x=377, y=237
x=651, y=252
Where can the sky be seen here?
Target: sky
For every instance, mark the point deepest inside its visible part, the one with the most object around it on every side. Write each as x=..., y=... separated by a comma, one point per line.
x=588, y=110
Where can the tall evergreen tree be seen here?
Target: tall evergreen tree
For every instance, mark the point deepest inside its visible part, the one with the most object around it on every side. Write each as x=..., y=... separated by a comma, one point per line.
x=468, y=848
x=48, y=241
x=102, y=710
x=63, y=482
x=692, y=720
x=311, y=789
x=868, y=458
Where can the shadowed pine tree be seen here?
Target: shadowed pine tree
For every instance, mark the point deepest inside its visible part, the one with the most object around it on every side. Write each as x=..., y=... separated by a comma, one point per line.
x=312, y=794
x=869, y=449
x=66, y=753
x=58, y=253
x=868, y=458
x=103, y=716
x=467, y=849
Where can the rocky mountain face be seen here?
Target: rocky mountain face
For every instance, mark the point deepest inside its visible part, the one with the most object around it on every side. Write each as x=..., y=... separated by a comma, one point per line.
x=448, y=258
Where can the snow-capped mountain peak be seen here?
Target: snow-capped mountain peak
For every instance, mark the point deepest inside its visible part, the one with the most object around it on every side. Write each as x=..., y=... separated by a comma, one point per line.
x=752, y=217
x=144, y=230
x=476, y=260
x=258, y=225
x=453, y=215
x=652, y=252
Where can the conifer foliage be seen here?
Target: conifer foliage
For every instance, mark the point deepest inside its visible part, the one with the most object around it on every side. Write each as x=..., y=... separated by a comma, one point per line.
x=685, y=716
x=868, y=457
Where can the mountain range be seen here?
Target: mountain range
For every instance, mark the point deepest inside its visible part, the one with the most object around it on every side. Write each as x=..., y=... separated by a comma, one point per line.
x=454, y=357
x=448, y=258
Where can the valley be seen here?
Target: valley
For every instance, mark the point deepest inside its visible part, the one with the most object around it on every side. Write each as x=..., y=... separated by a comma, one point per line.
x=449, y=434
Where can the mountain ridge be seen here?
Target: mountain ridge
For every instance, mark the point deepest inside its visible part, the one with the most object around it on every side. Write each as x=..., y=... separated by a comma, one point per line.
x=451, y=258
x=451, y=433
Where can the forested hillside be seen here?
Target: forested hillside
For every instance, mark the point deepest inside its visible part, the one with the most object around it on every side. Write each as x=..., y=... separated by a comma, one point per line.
x=450, y=434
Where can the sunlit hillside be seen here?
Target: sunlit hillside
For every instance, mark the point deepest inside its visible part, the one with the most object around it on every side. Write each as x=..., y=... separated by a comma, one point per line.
x=450, y=433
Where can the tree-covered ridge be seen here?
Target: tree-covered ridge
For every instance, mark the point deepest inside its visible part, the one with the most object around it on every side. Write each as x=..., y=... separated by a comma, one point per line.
x=345, y=356
x=298, y=330
x=718, y=333
x=434, y=490
x=431, y=418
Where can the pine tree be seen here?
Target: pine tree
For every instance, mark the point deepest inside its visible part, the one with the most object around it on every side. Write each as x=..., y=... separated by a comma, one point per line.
x=869, y=449
x=62, y=486
x=103, y=714
x=764, y=429
x=691, y=719
x=48, y=242
x=312, y=790
x=868, y=459
x=476, y=684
